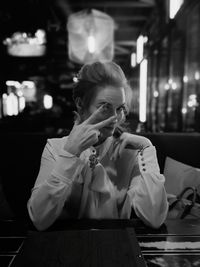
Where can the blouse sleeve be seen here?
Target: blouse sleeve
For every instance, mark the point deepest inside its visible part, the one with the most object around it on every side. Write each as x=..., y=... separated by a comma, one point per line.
x=147, y=192
x=52, y=186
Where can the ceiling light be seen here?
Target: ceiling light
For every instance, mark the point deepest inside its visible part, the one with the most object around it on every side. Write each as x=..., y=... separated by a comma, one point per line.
x=22, y=45
x=90, y=36
x=91, y=44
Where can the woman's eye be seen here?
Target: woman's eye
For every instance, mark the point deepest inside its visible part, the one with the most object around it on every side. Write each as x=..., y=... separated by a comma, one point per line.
x=107, y=107
x=122, y=109
x=104, y=105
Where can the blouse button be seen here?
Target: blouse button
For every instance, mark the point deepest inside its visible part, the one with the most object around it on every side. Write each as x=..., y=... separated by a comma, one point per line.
x=144, y=169
x=143, y=164
x=142, y=159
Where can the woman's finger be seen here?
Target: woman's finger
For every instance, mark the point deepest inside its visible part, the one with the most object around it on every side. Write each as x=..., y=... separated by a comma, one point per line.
x=91, y=138
x=95, y=132
x=95, y=115
x=116, y=154
x=116, y=147
x=111, y=120
x=122, y=146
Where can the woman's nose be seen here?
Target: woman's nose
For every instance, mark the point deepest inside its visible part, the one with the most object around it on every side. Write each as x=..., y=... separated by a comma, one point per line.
x=115, y=113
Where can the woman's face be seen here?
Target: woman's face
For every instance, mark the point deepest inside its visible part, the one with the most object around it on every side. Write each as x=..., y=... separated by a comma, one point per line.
x=114, y=98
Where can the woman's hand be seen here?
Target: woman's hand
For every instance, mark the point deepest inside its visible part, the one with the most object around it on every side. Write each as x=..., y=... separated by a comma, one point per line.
x=128, y=140
x=85, y=134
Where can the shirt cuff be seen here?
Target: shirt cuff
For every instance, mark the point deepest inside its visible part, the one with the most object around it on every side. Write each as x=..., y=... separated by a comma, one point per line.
x=147, y=160
x=68, y=167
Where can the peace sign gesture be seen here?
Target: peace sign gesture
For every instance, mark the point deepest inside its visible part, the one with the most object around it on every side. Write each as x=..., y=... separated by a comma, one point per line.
x=85, y=134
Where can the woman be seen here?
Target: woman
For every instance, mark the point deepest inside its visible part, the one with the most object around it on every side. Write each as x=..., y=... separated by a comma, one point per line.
x=91, y=173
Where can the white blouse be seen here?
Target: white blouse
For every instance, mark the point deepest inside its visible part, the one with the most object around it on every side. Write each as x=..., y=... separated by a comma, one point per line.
x=68, y=187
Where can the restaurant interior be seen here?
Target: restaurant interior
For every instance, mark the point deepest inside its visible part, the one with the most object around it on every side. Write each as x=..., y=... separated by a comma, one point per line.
x=43, y=45
x=157, y=47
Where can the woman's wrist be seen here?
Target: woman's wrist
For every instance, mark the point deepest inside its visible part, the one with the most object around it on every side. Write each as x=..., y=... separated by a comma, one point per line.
x=146, y=144
x=72, y=150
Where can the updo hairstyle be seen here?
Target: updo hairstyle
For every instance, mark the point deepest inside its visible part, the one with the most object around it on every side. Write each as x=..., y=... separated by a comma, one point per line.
x=95, y=75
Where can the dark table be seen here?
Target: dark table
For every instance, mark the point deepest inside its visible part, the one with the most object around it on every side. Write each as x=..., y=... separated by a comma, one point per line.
x=179, y=246
x=102, y=243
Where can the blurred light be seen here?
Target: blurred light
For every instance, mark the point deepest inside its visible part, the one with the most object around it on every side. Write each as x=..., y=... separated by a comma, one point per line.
x=166, y=86
x=155, y=94
x=190, y=104
x=4, y=96
x=19, y=93
x=91, y=44
x=174, y=86
x=143, y=90
x=11, y=105
x=185, y=78
x=139, y=49
x=192, y=100
x=22, y=44
x=184, y=110
x=75, y=79
x=24, y=35
x=22, y=103
x=174, y=6
x=133, y=60
x=4, y=100
x=197, y=75
x=13, y=83
x=169, y=109
x=29, y=90
x=41, y=36
x=193, y=96
x=145, y=39
x=90, y=36
x=48, y=101
x=29, y=84
x=170, y=81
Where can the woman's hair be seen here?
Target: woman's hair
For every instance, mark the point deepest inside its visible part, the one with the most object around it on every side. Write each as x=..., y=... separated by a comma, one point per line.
x=95, y=75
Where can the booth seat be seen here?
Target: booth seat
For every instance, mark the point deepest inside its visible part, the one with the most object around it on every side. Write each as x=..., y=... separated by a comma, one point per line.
x=20, y=155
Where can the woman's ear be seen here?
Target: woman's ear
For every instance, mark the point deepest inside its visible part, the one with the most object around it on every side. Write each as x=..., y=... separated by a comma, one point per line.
x=79, y=105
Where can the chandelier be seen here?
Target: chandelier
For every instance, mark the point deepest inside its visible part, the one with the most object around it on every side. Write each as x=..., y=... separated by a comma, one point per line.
x=22, y=44
x=90, y=36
